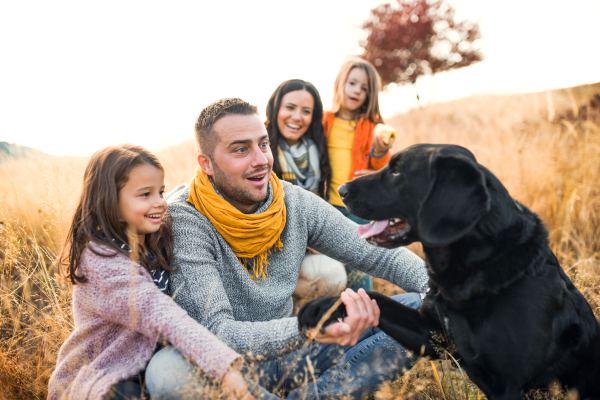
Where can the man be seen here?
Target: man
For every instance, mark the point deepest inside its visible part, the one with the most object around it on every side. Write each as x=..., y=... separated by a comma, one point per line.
x=240, y=238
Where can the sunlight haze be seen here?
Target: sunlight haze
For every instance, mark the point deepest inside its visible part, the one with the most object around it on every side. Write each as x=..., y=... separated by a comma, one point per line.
x=76, y=76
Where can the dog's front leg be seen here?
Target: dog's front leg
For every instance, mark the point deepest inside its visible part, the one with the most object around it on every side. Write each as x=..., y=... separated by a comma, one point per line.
x=411, y=328
x=415, y=330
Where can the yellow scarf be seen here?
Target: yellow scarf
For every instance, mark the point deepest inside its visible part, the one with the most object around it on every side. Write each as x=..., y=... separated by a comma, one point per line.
x=248, y=235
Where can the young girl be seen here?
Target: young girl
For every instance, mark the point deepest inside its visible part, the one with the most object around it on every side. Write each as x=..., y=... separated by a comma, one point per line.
x=295, y=128
x=353, y=148
x=117, y=256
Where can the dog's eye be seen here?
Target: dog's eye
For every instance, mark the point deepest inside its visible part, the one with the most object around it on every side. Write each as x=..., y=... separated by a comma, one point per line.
x=396, y=173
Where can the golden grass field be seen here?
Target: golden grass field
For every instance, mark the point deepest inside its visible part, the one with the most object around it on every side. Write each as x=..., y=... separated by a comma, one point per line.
x=548, y=163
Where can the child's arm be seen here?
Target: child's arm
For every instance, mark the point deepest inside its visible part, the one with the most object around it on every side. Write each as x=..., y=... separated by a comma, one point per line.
x=123, y=294
x=380, y=153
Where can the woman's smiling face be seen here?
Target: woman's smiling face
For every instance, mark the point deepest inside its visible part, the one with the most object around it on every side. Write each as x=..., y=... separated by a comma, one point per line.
x=295, y=115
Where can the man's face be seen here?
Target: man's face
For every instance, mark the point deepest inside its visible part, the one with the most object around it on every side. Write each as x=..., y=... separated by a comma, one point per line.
x=242, y=161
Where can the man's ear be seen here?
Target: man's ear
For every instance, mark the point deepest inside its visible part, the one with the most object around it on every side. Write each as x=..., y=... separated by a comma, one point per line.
x=456, y=200
x=205, y=163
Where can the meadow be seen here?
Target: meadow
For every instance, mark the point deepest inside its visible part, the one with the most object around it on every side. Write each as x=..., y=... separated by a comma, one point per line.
x=544, y=147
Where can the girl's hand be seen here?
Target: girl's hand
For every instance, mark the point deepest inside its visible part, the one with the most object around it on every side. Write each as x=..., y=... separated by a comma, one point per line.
x=362, y=172
x=235, y=386
x=380, y=147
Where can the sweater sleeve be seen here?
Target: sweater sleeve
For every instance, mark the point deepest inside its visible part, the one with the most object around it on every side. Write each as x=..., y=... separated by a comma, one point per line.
x=378, y=163
x=200, y=291
x=337, y=237
x=122, y=292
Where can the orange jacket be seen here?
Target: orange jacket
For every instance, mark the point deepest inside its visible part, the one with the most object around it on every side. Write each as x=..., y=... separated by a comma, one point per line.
x=361, y=148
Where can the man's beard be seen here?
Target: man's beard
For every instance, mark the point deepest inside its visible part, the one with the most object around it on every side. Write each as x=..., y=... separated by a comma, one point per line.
x=233, y=192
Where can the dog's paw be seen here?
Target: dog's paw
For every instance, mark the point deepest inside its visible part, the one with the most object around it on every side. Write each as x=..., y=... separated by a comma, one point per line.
x=312, y=312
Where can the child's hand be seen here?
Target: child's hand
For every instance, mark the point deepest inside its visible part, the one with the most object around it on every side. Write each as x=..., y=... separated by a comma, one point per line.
x=235, y=386
x=362, y=172
x=385, y=132
x=380, y=147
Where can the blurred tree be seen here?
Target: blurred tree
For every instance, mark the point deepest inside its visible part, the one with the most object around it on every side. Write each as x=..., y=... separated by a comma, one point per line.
x=416, y=38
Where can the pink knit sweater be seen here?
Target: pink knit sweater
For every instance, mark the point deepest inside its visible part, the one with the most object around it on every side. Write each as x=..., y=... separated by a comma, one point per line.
x=119, y=316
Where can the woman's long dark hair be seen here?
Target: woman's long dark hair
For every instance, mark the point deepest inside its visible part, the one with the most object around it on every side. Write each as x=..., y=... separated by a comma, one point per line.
x=96, y=217
x=314, y=132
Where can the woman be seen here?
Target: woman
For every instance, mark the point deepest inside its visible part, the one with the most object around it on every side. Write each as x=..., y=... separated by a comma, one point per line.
x=294, y=124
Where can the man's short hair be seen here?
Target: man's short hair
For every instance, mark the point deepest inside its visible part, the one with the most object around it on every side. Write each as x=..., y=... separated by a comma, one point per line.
x=206, y=138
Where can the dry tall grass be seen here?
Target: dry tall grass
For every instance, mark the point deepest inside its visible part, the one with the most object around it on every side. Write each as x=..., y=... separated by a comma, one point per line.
x=551, y=166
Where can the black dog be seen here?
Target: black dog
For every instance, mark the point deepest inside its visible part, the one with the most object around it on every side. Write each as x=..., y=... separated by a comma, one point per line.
x=496, y=289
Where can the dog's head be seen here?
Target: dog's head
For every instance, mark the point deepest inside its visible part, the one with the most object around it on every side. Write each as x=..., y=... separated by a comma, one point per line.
x=429, y=193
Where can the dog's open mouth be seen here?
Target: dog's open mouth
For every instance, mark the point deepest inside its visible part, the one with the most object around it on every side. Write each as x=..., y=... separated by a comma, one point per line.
x=388, y=230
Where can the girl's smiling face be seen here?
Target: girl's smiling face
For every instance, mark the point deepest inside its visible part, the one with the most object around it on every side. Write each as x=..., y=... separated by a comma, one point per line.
x=295, y=115
x=355, y=90
x=141, y=201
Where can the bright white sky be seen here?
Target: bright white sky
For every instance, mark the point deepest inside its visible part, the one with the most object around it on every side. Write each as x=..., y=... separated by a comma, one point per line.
x=79, y=75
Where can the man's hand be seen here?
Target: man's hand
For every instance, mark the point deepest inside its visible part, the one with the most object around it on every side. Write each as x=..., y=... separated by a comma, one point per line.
x=235, y=386
x=362, y=313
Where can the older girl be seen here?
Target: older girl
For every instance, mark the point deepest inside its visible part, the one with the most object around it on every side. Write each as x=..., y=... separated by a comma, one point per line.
x=353, y=148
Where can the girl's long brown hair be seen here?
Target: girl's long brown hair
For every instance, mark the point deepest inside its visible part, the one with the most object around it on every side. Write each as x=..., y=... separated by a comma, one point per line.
x=370, y=108
x=96, y=217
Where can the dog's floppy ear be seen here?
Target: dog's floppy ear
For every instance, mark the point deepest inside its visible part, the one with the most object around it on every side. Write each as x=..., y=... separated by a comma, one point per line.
x=456, y=199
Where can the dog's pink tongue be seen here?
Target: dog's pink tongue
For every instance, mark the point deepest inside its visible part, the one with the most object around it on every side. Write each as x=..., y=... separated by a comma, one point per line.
x=372, y=229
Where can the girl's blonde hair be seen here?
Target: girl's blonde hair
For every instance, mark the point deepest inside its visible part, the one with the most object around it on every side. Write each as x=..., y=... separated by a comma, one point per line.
x=370, y=108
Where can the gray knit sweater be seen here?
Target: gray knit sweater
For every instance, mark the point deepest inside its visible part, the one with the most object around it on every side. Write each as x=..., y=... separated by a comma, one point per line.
x=215, y=289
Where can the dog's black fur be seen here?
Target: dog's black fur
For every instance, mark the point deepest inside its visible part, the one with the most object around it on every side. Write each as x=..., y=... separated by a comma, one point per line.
x=496, y=289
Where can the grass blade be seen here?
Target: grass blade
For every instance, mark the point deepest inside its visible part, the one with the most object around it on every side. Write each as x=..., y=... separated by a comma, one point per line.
x=437, y=378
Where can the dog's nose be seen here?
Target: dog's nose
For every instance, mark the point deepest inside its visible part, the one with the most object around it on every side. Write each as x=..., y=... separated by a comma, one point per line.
x=343, y=191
